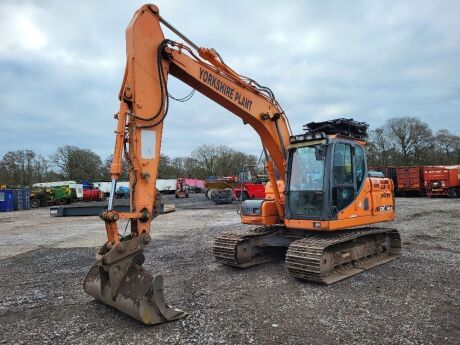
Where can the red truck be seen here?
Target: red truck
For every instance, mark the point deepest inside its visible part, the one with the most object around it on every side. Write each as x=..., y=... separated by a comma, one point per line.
x=442, y=180
x=410, y=180
x=251, y=185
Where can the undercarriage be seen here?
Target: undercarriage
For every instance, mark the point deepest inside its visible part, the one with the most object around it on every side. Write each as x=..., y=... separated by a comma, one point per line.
x=321, y=257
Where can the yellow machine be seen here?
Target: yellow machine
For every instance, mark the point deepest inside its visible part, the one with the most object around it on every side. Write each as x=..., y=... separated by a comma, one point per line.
x=319, y=201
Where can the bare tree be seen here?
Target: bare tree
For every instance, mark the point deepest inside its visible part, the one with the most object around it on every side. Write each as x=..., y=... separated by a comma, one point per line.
x=378, y=148
x=206, y=156
x=18, y=167
x=108, y=163
x=411, y=138
x=221, y=160
x=78, y=164
x=42, y=170
x=448, y=144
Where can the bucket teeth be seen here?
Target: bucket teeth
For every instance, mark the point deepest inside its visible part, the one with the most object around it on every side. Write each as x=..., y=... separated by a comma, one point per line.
x=126, y=286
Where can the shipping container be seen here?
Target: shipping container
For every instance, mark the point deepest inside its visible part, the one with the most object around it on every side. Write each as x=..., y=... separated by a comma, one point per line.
x=6, y=200
x=18, y=200
x=442, y=180
x=26, y=198
x=410, y=181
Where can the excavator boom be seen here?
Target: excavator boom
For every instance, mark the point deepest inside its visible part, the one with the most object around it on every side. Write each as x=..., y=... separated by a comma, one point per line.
x=117, y=278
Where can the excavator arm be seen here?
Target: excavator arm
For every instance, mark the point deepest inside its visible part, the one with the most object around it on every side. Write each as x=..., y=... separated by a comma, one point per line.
x=117, y=277
x=144, y=105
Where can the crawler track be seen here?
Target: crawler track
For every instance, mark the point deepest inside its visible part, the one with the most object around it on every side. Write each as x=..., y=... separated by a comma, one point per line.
x=329, y=257
x=321, y=257
x=241, y=250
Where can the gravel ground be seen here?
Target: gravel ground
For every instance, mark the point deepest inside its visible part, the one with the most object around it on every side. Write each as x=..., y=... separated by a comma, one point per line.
x=412, y=300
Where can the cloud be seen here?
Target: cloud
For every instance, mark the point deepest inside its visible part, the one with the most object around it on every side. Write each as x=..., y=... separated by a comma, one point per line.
x=19, y=32
x=61, y=65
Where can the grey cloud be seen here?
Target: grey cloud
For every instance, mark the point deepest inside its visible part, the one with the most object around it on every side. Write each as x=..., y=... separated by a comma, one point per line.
x=61, y=64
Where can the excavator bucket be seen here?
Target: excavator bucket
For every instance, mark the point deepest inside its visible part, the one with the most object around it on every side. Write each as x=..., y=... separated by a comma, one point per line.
x=126, y=286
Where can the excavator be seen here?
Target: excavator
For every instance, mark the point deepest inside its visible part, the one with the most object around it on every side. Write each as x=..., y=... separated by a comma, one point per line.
x=321, y=207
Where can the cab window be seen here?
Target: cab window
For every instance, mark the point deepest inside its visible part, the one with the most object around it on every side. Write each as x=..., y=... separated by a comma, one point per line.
x=360, y=166
x=343, y=190
x=306, y=185
x=342, y=170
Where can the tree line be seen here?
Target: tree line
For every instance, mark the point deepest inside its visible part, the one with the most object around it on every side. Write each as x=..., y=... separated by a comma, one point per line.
x=400, y=141
x=26, y=167
x=405, y=141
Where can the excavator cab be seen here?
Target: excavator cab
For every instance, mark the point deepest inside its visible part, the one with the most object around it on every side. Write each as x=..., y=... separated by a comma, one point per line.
x=327, y=185
x=325, y=173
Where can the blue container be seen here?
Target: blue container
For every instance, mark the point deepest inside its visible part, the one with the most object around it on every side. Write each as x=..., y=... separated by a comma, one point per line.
x=26, y=199
x=6, y=200
x=18, y=202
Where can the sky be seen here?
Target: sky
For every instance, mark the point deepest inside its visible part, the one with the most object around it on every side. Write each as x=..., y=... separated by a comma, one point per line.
x=61, y=65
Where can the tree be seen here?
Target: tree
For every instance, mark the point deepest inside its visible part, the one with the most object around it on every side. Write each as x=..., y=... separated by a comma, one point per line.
x=108, y=163
x=220, y=160
x=448, y=145
x=42, y=170
x=18, y=167
x=410, y=138
x=206, y=157
x=78, y=164
x=192, y=168
x=231, y=162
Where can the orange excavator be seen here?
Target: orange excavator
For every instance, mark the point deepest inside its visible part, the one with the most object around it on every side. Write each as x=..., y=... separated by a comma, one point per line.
x=320, y=208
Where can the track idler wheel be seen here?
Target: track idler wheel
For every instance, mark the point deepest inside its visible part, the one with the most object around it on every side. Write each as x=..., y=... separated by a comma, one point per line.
x=118, y=279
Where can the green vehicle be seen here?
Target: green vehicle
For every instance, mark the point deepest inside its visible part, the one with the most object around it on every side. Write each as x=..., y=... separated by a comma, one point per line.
x=41, y=197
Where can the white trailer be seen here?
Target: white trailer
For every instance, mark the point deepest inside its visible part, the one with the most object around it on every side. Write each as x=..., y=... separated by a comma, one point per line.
x=164, y=186
x=53, y=184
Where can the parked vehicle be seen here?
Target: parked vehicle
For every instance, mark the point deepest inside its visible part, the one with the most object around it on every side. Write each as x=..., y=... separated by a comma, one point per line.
x=220, y=190
x=57, y=195
x=251, y=185
x=410, y=181
x=122, y=192
x=194, y=185
x=181, y=188
x=442, y=180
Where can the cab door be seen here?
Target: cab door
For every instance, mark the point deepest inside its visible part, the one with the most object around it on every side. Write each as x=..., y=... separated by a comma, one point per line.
x=348, y=173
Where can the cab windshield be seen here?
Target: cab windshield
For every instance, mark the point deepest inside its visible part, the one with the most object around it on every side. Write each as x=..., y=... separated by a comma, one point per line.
x=306, y=192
